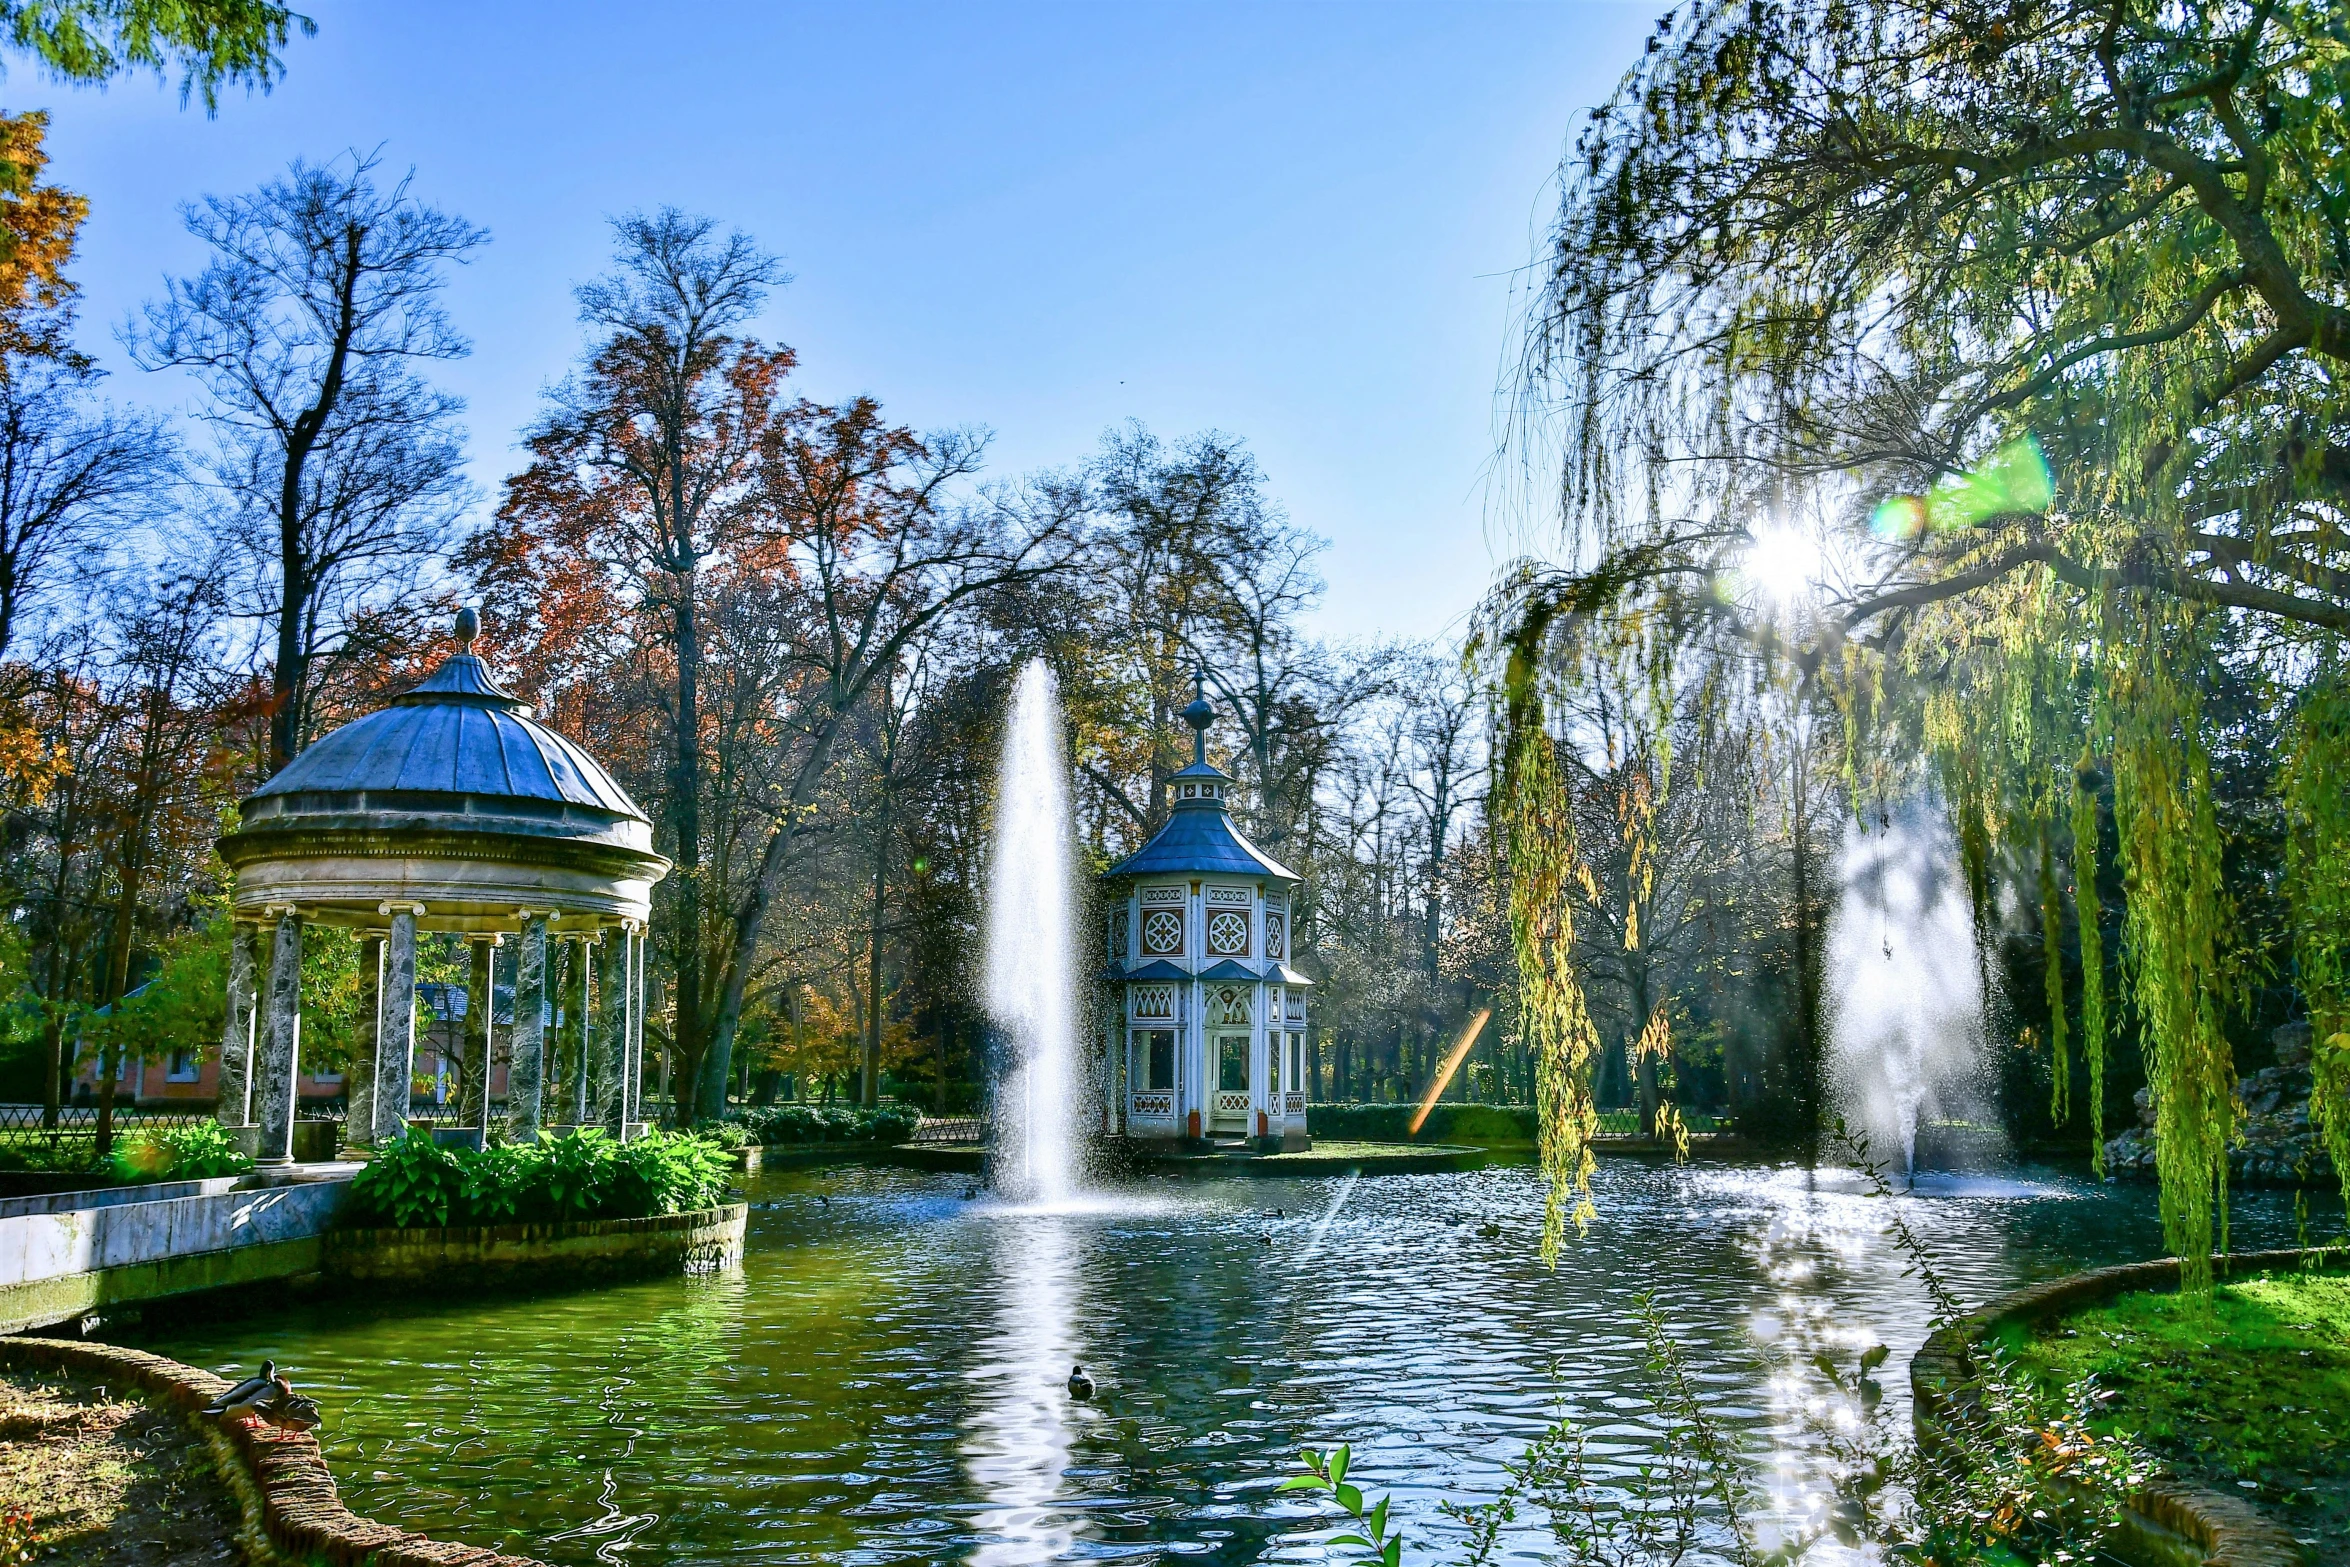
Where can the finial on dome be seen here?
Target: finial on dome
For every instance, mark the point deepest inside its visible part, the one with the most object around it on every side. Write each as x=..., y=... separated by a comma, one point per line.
x=1199, y=715
x=468, y=627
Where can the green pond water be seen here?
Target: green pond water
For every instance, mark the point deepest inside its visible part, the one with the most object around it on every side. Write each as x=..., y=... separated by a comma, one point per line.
x=882, y=1380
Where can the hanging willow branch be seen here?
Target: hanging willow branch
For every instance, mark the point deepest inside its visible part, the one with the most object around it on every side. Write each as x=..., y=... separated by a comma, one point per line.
x=2090, y=916
x=1540, y=831
x=2317, y=869
x=2052, y=955
x=2170, y=853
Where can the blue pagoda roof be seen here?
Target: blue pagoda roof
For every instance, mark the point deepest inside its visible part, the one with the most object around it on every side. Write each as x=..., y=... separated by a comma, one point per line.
x=1200, y=837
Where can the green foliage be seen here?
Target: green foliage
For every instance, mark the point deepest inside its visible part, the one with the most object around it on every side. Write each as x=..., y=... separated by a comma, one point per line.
x=1540, y=834
x=2175, y=926
x=1370, y=1531
x=2316, y=789
x=414, y=1182
x=211, y=43
x=2091, y=919
x=1486, y=1126
x=797, y=1123
x=183, y=1151
x=581, y=1175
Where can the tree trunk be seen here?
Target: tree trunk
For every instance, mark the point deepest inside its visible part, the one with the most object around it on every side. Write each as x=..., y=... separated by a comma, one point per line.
x=685, y=785
x=118, y=979
x=869, y=1086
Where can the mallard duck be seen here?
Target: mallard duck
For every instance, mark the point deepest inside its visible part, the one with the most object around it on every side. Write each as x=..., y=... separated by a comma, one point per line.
x=290, y=1411
x=1080, y=1385
x=240, y=1399
x=270, y=1398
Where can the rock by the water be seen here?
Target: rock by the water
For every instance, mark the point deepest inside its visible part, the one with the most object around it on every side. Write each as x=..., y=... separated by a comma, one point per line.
x=2274, y=1145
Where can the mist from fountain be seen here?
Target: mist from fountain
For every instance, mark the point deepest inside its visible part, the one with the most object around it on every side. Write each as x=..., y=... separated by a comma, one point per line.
x=1031, y=957
x=1903, y=979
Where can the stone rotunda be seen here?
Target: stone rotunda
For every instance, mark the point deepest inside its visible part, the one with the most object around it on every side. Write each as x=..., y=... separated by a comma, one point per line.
x=1209, y=1041
x=450, y=810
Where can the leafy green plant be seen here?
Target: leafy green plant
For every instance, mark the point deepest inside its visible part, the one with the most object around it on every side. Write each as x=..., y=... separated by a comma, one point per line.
x=187, y=1151
x=1328, y=1474
x=413, y=1182
x=580, y=1175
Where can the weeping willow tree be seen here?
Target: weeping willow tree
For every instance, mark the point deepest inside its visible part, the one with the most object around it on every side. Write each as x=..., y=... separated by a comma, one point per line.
x=2045, y=306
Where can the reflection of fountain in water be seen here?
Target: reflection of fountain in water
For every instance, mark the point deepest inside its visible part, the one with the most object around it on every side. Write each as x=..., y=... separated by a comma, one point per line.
x=1031, y=989
x=1903, y=978
x=1016, y=1445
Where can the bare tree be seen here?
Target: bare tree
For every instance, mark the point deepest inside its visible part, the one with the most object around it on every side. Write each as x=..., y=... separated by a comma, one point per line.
x=341, y=464
x=69, y=474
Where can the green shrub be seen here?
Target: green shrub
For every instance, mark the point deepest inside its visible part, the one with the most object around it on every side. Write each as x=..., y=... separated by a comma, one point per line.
x=580, y=1175
x=794, y=1124
x=185, y=1151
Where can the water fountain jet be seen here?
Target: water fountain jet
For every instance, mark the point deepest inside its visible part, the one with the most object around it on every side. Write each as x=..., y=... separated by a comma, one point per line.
x=1031, y=980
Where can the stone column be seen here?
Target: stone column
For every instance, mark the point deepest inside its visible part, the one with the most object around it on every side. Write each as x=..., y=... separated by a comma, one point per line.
x=473, y=1093
x=611, y=1038
x=280, y=1042
x=395, y=1030
x=579, y=1050
x=359, y=1080
x=238, y=1032
x=632, y=1063
x=526, y=1075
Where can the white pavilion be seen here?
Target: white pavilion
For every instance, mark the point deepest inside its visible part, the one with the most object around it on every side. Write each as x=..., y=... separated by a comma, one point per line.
x=1208, y=1042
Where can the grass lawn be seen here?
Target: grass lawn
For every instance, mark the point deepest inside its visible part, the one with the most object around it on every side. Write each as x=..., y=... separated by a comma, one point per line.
x=109, y=1481
x=2250, y=1393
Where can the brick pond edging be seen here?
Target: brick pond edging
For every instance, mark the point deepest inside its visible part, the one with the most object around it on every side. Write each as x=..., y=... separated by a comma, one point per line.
x=2168, y=1523
x=501, y=1254
x=293, y=1515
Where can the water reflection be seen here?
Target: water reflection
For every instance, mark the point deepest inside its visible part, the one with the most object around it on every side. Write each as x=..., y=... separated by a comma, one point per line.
x=1017, y=1440
x=883, y=1381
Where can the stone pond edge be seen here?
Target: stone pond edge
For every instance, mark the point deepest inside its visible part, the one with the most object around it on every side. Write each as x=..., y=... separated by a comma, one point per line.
x=293, y=1515
x=2227, y=1531
x=701, y=1241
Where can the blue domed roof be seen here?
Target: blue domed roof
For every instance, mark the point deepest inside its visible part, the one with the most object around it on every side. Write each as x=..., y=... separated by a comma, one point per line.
x=1200, y=836
x=457, y=733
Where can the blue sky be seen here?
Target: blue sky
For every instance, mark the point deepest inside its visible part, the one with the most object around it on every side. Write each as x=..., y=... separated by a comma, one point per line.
x=1301, y=223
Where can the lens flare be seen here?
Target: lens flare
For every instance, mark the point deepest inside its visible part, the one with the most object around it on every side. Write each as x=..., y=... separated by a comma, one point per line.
x=2014, y=480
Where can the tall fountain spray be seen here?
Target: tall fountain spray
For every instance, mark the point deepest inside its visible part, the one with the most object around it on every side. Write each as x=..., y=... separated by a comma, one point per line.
x=1903, y=978
x=1031, y=992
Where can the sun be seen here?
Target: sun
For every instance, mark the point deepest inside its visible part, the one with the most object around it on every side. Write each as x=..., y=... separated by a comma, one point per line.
x=1783, y=566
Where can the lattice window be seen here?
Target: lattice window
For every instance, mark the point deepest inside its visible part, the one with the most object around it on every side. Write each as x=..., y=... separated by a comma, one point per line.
x=1276, y=934
x=1228, y=934
x=1162, y=933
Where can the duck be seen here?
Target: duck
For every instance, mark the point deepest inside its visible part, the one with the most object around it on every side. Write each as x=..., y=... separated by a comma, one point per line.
x=270, y=1398
x=240, y=1398
x=1080, y=1385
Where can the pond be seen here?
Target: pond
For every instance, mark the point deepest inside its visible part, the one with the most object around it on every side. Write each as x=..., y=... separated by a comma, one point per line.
x=882, y=1381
